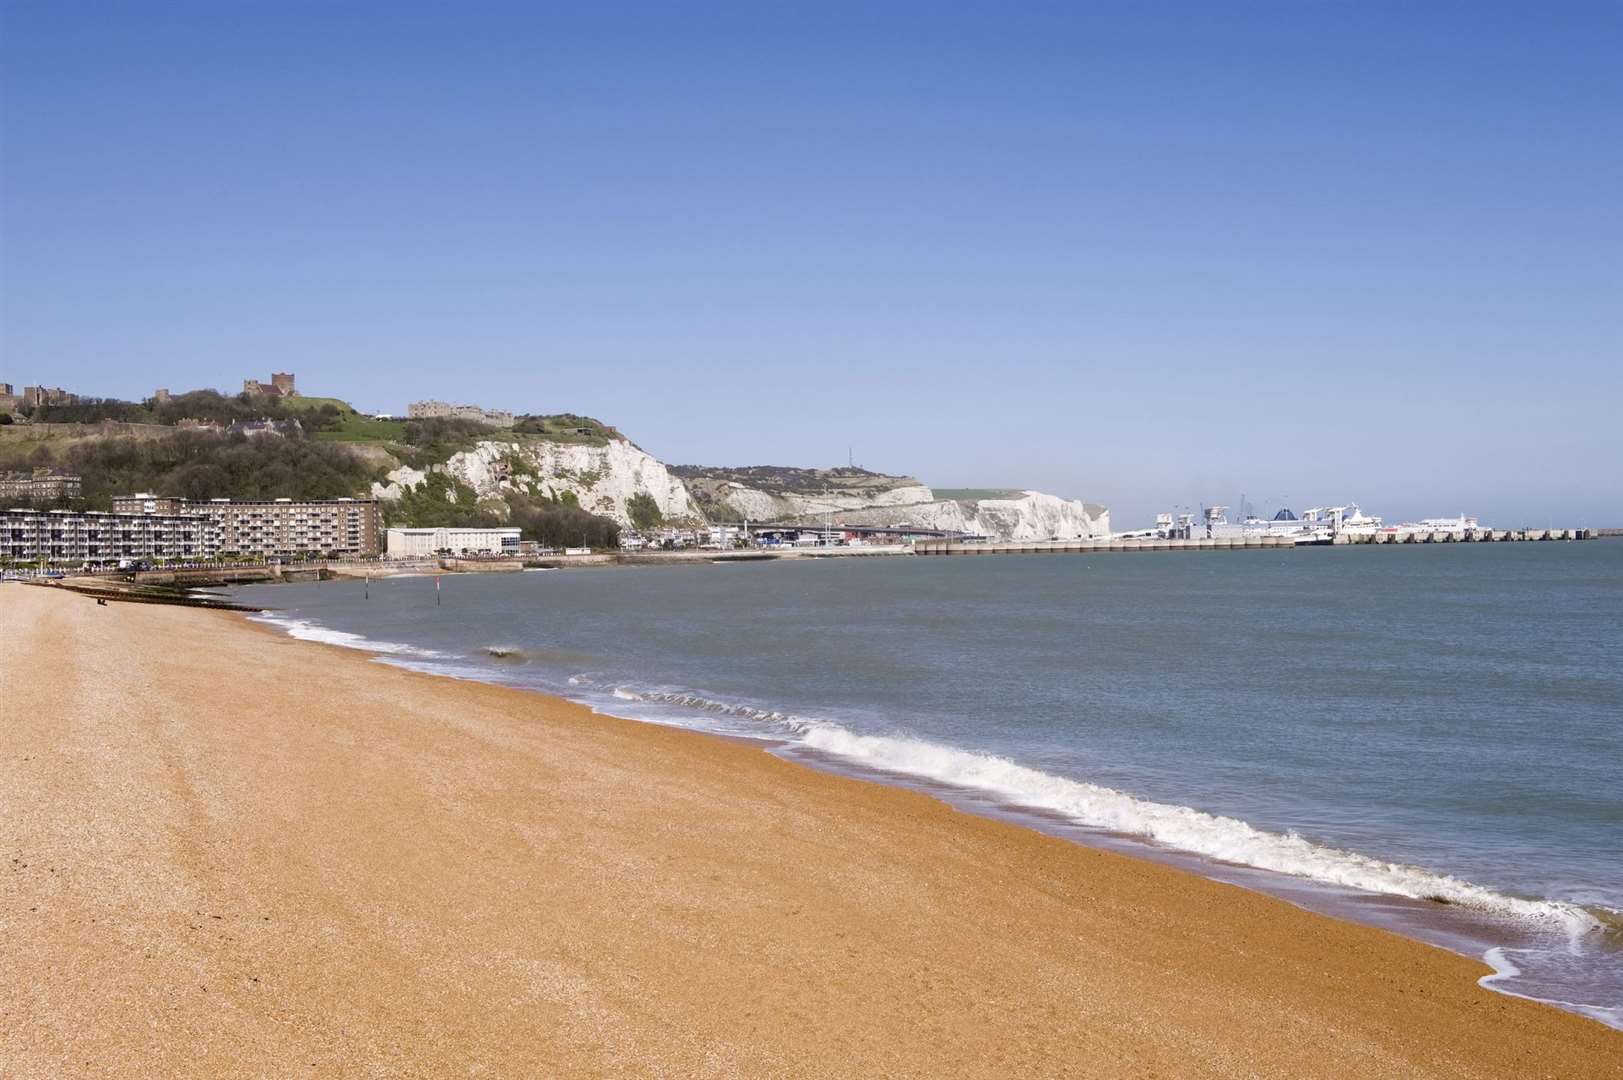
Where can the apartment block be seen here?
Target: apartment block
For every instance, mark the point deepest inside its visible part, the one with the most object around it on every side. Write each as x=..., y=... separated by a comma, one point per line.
x=69, y=538
x=277, y=528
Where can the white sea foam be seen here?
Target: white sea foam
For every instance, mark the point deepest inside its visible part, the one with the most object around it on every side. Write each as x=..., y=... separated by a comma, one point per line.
x=1092, y=805
x=1504, y=969
x=305, y=630
x=1182, y=827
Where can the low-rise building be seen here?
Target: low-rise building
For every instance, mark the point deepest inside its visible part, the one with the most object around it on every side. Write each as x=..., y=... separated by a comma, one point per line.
x=265, y=426
x=442, y=410
x=40, y=486
x=415, y=543
x=278, y=528
x=192, y=423
x=70, y=538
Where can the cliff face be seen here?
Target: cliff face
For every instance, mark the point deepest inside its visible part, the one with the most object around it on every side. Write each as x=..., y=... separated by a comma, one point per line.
x=780, y=494
x=1024, y=515
x=858, y=497
x=602, y=478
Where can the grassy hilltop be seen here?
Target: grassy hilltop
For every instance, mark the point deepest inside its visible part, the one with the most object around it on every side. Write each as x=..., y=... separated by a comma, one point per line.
x=119, y=447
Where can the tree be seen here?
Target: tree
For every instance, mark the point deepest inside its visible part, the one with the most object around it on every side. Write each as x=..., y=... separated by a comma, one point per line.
x=644, y=511
x=556, y=525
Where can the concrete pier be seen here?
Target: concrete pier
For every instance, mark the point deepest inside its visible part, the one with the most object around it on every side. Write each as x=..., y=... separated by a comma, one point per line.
x=1238, y=543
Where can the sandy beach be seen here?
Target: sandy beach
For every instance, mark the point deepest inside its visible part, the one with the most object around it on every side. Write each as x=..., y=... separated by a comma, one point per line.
x=224, y=852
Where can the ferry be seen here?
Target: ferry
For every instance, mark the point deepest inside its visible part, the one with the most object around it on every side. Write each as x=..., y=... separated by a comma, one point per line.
x=1317, y=525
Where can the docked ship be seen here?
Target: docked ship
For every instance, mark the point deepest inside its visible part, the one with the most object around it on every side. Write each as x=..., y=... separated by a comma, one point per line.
x=1316, y=525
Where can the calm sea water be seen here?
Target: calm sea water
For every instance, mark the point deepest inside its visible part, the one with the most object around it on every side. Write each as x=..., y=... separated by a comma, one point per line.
x=1367, y=730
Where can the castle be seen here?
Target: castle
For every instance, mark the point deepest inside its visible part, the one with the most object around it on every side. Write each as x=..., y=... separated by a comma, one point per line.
x=280, y=385
x=34, y=397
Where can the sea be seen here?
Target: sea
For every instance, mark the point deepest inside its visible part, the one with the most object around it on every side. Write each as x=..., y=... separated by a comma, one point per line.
x=1428, y=738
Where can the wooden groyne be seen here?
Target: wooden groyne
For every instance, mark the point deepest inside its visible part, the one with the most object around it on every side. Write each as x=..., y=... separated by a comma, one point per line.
x=1238, y=543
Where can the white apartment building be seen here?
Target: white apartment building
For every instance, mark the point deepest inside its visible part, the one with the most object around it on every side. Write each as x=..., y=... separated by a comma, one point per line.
x=279, y=528
x=423, y=543
x=69, y=538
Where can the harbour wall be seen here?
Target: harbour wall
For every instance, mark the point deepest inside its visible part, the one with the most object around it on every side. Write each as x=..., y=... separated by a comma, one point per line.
x=1241, y=543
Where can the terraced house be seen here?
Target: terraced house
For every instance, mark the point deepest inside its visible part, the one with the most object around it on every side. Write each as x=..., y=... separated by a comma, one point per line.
x=41, y=485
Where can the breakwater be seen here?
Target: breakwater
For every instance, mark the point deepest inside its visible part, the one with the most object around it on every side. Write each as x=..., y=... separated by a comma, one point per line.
x=1241, y=543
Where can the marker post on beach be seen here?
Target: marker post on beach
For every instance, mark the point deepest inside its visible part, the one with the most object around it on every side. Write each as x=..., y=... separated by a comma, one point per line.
x=436, y=590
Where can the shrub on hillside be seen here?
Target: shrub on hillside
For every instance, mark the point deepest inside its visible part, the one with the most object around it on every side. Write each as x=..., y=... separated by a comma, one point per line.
x=555, y=524
x=202, y=465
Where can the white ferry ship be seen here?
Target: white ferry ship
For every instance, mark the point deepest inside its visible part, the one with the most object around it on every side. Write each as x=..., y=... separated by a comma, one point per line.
x=1316, y=525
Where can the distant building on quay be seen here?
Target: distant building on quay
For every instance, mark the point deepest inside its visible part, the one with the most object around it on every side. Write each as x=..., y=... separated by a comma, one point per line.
x=414, y=543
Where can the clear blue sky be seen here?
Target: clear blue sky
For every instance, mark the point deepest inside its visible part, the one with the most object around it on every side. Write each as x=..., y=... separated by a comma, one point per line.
x=1144, y=254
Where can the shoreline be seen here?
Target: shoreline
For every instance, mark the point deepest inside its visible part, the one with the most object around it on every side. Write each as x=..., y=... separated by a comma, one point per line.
x=717, y=909
x=1482, y=936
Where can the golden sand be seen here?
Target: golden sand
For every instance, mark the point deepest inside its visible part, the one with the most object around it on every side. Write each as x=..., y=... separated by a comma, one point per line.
x=228, y=853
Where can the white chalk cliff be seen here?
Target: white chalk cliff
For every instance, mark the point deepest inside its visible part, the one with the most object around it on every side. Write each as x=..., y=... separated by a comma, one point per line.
x=604, y=477
x=857, y=497
x=1025, y=515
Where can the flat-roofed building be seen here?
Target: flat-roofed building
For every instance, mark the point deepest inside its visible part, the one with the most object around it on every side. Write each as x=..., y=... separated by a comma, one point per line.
x=409, y=543
x=444, y=410
x=278, y=528
x=39, y=486
x=70, y=538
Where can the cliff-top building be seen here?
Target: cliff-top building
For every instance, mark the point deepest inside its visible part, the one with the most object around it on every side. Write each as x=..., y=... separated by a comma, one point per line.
x=35, y=396
x=280, y=385
x=442, y=410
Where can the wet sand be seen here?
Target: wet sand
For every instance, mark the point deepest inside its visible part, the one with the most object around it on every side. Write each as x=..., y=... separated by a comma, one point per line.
x=225, y=853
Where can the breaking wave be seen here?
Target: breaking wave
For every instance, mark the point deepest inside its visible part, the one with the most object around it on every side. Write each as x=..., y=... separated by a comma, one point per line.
x=1094, y=806
x=1185, y=828
x=1090, y=805
x=306, y=630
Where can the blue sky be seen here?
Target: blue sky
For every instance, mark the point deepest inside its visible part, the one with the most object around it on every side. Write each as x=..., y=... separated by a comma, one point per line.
x=1143, y=254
